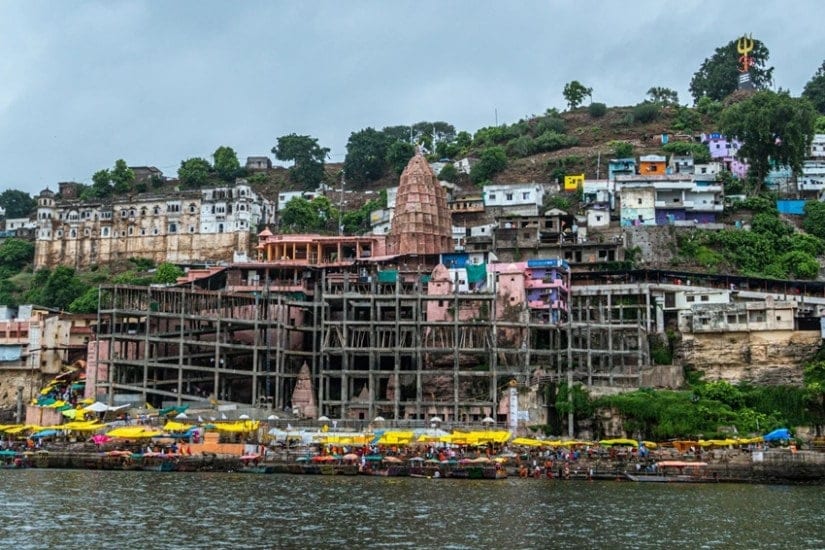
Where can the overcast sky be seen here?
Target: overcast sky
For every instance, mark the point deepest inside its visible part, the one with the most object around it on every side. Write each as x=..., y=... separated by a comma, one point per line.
x=155, y=82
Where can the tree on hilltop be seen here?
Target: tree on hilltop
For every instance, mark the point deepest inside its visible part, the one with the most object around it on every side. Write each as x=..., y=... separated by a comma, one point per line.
x=815, y=89
x=226, y=163
x=574, y=93
x=366, y=156
x=718, y=76
x=773, y=128
x=122, y=177
x=399, y=155
x=663, y=96
x=308, y=158
x=101, y=185
x=194, y=172
x=17, y=203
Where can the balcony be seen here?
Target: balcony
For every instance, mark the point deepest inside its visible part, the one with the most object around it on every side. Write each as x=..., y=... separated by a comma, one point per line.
x=546, y=283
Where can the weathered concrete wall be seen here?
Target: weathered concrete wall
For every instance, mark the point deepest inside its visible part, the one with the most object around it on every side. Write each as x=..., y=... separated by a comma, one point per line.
x=771, y=357
x=11, y=379
x=179, y=248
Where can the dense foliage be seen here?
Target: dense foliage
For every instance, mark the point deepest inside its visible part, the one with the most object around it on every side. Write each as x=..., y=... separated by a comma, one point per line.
x=815, y=89
x=709, y=409
x=774, y=128
x=718, y=76
x=17, y=203
x=307, y=159
x=772, y=248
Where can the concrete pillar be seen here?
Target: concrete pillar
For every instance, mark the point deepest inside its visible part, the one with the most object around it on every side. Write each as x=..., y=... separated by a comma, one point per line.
x=19, y=414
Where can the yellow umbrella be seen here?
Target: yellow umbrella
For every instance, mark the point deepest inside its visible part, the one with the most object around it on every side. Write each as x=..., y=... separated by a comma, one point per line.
x=134, y=432
x=527, y=442
x=172, y=426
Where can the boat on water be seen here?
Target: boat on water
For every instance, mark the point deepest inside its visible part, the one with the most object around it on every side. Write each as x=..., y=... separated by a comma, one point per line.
x=474, y=468
x=388, y=466
x=251, y=464
x=13, y=459
x=674, y=471
x=158, y=462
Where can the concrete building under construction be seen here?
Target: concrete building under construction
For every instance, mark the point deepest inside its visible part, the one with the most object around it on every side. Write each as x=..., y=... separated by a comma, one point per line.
x=362, y=327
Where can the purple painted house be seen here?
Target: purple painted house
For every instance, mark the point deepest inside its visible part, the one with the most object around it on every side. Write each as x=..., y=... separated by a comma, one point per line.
x=724, y=151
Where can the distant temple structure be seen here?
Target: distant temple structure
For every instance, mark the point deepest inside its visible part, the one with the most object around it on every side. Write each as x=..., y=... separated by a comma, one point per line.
x=422, y=223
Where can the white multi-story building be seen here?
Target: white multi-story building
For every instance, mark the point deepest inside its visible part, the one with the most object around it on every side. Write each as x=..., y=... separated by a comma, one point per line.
x=520, y=199
x=182, y=227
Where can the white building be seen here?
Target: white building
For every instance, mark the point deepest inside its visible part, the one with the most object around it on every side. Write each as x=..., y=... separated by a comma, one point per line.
x=518, y=199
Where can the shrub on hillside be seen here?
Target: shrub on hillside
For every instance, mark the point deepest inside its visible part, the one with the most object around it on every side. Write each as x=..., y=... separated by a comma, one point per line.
x=597, y=110
x=646, y=112
x=552, y=141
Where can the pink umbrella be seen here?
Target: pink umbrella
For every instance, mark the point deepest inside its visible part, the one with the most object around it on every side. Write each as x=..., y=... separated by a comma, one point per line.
x=99, y=439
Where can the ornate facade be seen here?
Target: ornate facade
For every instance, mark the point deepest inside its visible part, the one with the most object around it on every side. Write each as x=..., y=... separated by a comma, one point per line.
x=181, y=227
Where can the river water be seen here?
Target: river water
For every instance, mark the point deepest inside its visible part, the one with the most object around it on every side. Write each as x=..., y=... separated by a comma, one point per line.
x=111, y=509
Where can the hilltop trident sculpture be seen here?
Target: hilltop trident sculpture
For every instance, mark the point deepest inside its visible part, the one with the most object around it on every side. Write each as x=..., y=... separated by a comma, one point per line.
x=744, y=46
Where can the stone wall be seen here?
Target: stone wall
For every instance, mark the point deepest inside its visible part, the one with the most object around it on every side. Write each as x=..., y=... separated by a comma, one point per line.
x=178, y=248
x=31, y=381
x=769, y=358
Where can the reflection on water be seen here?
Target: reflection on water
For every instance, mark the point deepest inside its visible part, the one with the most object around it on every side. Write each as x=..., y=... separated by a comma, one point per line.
x=95, y=509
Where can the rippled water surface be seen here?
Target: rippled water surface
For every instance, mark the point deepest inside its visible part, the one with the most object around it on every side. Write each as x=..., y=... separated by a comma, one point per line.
x=97, y=509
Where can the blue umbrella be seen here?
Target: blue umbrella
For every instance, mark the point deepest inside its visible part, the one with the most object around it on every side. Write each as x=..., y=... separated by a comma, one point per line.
x=45, y=433
x=779, y=434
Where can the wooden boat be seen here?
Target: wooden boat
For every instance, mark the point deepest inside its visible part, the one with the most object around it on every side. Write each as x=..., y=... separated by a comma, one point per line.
x=251, y=464
x=674, y=471
x=13, y=459
x=389, y=466
x=158, y=462
x=419, y=467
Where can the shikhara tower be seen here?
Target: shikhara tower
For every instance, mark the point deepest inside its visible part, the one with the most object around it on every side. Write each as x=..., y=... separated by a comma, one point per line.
x=421, y=223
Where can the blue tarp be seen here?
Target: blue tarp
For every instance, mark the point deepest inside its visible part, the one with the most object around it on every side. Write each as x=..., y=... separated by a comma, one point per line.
x=793, y=207
x=10, y=353
x=776, y=435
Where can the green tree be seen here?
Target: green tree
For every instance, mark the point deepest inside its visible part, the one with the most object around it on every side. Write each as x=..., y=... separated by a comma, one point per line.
x=298, y=216
x=663, y=96
x=814, y=220
x=399, y=154
x=448, y=173
x=60, y=288
x=122, y=177
x=574, y=93
x=307, y=158
x=646, y=112
x=491, y=161
x=698, y=151
x=718, y=76
x=819, y=125
x=18, y=204
x=597, y=110
x=101, y=184
x=813, y=376
x=773, y=128
x=226, y=163
x=622, y=149
x=815, y=89
x=15, y=254
x=366, y=156
x=687, y=120
x=86, y=302
x=167, y=273
x=194, y=172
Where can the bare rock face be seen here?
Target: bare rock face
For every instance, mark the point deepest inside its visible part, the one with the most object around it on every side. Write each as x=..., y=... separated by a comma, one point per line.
x=764, y=358
x=421, y=223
